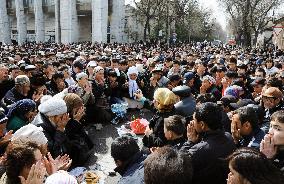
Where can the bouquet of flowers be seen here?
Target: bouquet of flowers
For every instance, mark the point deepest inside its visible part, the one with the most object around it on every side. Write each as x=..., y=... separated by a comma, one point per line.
x=120, y=110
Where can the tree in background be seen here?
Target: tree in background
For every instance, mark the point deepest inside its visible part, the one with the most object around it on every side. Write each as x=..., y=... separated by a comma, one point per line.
x=249, y=17
x=186, y=18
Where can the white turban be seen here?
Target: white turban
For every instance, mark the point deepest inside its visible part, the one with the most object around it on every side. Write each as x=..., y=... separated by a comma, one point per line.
x=30, y=133
x=61, y=177
x=53, y=106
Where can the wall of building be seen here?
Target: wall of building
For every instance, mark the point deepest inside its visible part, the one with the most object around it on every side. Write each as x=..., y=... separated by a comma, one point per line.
x=279, y=39
x=121, y=20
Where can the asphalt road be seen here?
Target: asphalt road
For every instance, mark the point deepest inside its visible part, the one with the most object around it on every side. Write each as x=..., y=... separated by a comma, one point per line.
x=102, y=139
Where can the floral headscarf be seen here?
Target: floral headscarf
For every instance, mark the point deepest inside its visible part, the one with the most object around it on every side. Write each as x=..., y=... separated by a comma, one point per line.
x=21, y=108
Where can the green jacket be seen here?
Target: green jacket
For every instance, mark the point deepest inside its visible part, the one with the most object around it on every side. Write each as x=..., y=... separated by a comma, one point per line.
x=15, y=123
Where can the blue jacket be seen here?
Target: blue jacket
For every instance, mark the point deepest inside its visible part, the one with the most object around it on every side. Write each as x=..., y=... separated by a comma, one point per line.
x=185, y=107
x=133, y=171
x=253, y=140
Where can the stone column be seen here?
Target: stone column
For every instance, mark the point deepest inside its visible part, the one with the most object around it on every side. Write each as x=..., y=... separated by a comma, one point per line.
x=68, y=21
x=21, y=22
x=99, y=20
x=5, y=32
x=39, y=21
x=57, y=21
x=117, y=21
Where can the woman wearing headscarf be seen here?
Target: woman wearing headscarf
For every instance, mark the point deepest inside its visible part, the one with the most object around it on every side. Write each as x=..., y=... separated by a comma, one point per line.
x=102, y=104
x=21, y=114
x=81, y=143
x=164, y=101
x=133, y=86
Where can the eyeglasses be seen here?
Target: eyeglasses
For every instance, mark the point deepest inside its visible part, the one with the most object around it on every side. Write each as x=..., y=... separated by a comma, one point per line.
x=270, y=99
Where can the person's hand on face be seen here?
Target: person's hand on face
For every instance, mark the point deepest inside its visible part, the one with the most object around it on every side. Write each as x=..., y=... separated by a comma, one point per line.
x=153, y=82
x=8, y=135
x=267, y=146
x=77, y=115
x=36, y=174
x=192, y=135
x=62, y=122
x=88, y=88
x=142, y=83
x=202, y=89
x=235, y=130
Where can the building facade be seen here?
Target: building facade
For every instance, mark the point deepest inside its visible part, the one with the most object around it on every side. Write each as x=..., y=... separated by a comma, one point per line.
x=278, y=33
x=62, y=21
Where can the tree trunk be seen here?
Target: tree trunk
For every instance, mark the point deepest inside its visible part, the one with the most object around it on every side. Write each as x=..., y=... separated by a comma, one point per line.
x=57, y=22
x=21, y=22
x=4, y=24
x=39, y=21
x=145, y=29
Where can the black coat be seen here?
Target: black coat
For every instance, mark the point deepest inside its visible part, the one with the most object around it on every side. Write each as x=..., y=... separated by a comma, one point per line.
x=81, y=143
x=58, y=142
x=12, y=96
x=208, y=157
x=133, y=170
x=5, y=86
x=157, y=138
x=177, y=143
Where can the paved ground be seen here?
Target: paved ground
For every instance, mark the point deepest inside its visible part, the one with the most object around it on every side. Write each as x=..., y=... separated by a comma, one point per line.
x=103, y=139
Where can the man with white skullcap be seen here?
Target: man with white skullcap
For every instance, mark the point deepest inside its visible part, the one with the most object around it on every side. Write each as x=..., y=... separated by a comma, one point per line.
x=54, y=117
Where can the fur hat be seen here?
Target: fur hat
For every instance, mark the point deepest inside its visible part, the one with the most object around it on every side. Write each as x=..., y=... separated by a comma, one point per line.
x=30, y=133
x=53, y=106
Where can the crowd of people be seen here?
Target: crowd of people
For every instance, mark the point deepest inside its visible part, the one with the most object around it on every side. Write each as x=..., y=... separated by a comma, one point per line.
x=218, y=112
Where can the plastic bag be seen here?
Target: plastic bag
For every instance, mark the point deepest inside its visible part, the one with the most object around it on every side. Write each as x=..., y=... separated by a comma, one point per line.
x=138, y=126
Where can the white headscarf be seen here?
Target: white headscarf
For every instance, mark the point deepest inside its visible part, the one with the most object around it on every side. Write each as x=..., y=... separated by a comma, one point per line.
x=30, y=133
x=61, y=177
x=133, y=86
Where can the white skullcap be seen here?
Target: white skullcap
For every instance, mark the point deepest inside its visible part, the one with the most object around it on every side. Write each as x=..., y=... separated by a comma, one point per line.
x=140, y=67
x=30, y=133
x=53, y=106
x=61, y=177
x=132, y=70
x=209, y=78
x=98, y=68
x=92, y=64
x=81, y=75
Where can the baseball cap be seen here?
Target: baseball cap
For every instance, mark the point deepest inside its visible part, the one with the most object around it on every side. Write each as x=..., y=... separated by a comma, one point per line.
x=188, y=76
